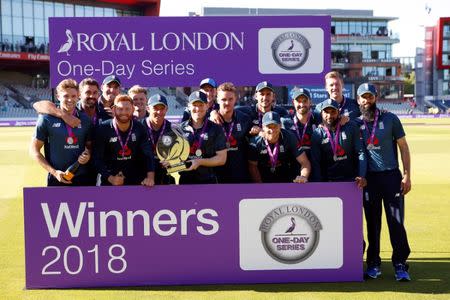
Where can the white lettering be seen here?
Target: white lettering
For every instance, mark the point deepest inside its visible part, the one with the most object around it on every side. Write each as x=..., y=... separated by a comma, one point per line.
x=104, y=217
x=63, y=212
x=145, y=221
x=201, y=218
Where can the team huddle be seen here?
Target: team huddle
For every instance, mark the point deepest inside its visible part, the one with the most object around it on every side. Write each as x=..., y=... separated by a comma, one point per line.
x=112, y=139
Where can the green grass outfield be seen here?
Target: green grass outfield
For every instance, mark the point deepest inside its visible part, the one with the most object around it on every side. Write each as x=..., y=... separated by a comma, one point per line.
x=427, y=222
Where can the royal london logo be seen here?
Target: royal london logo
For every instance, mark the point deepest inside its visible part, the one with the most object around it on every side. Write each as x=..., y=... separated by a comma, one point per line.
x=68, y=44
x=290, y=50
x=290, y=233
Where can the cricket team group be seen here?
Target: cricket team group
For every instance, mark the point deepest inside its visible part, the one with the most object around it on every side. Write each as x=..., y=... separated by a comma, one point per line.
x=101, y=136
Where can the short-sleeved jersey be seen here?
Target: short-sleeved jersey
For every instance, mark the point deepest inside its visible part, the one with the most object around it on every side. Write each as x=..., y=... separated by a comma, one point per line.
x=134, y=161
x=213, y=140
x=350, y=159
x=294, y=125
x=348, y=107
x=60, y=149
x=187, y=112
x=100, y=113
x=236, y=168
x=288, y=152
x=160, y=172
x=256, y=116
x=383, y=156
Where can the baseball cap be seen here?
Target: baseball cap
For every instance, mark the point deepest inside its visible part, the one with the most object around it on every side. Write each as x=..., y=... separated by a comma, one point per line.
x=271, y=117
x=329, y=103
x=298, y=92
x=264, y=85
x=209, y=81
x=197, y=96
x=367, y=88
x=111, y=78
x=157, y=99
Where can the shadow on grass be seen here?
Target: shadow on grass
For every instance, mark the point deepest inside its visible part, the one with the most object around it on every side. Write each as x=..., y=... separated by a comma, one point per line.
x=429, y=276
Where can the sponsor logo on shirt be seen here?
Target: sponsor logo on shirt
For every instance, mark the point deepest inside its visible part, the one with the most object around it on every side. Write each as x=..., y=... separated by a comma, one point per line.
x=56, y=125
x=113, y=139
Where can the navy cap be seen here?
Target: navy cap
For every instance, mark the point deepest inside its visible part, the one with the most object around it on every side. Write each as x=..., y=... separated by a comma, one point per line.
x=198, y=96
x=209, y=81
x=264, y=85
x=299, y=92
x=157, y=99
x=271, y=117
x=111, y=78
x=329, y=103
x=367, y=88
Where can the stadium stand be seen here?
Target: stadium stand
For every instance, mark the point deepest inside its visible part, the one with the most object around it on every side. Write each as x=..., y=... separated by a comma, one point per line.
x=442, y=105
x=398, y=108
x=33, y=94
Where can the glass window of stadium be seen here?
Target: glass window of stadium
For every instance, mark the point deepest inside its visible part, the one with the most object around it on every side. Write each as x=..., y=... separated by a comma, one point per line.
x=25, y=22
x=378, y=28
x=358, y=28
x=447, y=30
x=391, y=91
x=446, y=45
x=446, y=74
x=446, y=59
x=341, y=27
x=445, y=88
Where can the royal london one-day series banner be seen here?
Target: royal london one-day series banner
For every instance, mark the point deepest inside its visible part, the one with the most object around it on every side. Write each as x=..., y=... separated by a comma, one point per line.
x=181, y=51
x=198, y=234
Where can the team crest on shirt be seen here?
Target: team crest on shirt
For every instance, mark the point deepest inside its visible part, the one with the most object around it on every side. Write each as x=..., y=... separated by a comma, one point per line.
x=133, y=137
x=238, y=127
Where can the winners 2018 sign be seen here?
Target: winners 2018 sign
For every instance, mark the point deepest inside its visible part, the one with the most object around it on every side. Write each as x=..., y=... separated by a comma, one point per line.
x=176, y=51
x=198, y=234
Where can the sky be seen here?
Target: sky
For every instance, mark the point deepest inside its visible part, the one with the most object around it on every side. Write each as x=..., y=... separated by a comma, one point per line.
x=412, y=15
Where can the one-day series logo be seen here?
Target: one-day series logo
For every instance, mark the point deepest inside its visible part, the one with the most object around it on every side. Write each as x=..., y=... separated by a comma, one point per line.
x=295, y=50
x=290, y=233
x=290, y=50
